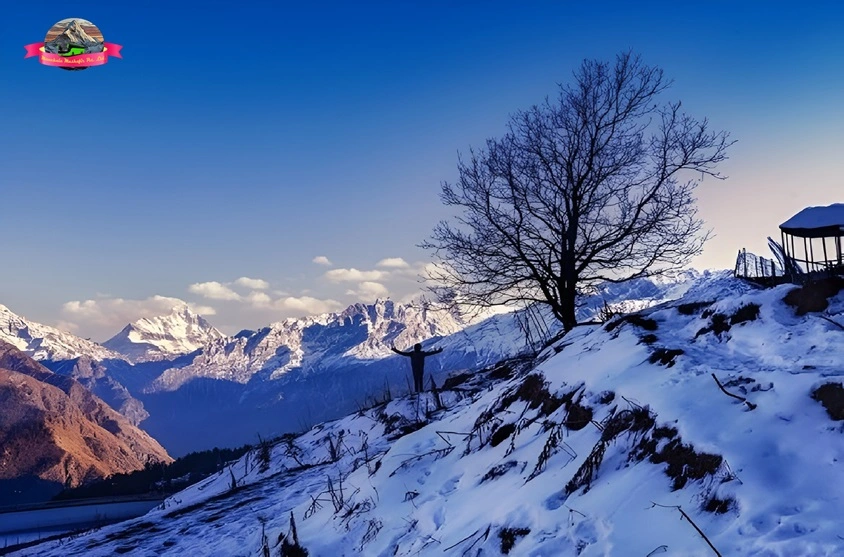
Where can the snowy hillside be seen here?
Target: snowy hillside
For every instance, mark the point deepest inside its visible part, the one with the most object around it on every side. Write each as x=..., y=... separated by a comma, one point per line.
x=598, y=446
x=166, y=336
x=42, y=342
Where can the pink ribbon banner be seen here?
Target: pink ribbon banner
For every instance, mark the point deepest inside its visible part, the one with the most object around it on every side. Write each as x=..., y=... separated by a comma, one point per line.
x=78, y=61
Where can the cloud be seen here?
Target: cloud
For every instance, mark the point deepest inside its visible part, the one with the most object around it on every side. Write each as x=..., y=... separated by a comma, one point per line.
x=66, y=326
x=354, y=275
x=393, y=263
x=252, y=284
x=214, y=291
x=368, y=291
x=322, y=260
x=307, y=305
x=202, y=310
x=106, y=316
x=259, y=299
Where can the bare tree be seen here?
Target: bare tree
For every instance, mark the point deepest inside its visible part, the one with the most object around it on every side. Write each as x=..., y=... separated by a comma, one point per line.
x=595, y=186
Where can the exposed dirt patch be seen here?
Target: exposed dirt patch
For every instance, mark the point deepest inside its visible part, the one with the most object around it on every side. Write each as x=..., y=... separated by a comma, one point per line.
x=499, y=470
x=534, y=391
x=509, y=536
x=635, y=319
x=649, y=338
x=503, y=371
x=747, y=312
x=456, y=380
x=718, y=324
x=693, y=307
x=718, y=506
x=578, y=416
x=683, y=462
x=637, y=420
x=501, y=434
x=831, y=395
x=814, y=296
x=606, y=397
x=665, y=356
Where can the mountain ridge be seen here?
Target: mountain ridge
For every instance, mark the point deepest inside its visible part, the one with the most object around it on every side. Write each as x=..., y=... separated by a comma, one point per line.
x=54, y=431
x=164, y=336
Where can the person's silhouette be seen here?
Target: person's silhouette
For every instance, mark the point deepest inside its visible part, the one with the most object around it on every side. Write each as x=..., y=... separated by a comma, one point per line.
x=417, y=363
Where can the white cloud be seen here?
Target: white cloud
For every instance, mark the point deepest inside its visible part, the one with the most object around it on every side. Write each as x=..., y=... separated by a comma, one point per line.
x=252, y=284
x=259, y=299
x=369, y=291
x=322, y=260
x=67, y=326
x=393, y=263
x=214, y=290
x=354, y=275
x=106, y=316
x=202, y=310
x=307, y=305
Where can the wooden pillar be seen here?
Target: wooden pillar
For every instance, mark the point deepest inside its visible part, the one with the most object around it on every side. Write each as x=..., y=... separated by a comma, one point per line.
x=785, y=265
x=825, y=258
x=806, y=255
x=793, y=251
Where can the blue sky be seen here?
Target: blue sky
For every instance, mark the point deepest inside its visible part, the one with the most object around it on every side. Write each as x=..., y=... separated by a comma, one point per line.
x=245, y=139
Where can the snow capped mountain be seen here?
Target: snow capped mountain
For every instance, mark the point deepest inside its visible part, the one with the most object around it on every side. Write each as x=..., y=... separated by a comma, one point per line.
x=166, y=336
x=617, y=439
x=323, y=342
x=75, y=34
x=193, y=388
x=42, y=342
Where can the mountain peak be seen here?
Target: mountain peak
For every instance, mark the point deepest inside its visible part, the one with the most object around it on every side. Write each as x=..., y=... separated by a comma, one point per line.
x=43, y=342
x=178, y=332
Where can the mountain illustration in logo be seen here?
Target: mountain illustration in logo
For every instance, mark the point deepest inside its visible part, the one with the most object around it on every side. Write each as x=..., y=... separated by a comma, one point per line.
x=72, y=37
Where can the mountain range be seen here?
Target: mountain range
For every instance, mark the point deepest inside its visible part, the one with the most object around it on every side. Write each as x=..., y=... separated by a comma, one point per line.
x=706, y=425
x=192, y=388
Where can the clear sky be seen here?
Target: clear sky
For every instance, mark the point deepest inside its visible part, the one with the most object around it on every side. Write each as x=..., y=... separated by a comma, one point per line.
x=245, y=139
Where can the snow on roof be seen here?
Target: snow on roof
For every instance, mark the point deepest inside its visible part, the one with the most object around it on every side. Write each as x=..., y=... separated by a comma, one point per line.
x=815, y=218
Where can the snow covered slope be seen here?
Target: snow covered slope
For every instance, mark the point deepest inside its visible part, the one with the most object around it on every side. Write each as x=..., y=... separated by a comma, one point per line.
x=593, y=448
x=166, y=336
x=42, y=342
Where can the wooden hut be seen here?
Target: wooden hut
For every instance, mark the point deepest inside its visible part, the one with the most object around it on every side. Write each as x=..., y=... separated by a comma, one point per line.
x=812, y=242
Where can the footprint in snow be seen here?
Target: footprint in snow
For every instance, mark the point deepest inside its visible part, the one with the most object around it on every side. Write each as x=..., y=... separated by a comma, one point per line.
x=439, y=518
x=792, y=530
x=421, y=479
x=450, y=485
x=761, y=524
x=555, y=501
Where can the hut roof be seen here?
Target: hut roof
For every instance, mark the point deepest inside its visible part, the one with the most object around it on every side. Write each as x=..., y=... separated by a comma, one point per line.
x=816, y=222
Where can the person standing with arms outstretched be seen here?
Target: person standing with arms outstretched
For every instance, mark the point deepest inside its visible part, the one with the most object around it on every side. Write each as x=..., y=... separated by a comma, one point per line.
x=417, y=363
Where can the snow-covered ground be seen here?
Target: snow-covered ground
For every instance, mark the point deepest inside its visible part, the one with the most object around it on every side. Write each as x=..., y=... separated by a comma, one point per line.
x=592, y=449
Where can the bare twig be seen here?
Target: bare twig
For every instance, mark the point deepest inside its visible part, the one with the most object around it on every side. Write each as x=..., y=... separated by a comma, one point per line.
x=741, y=398
x=483, y=536
x=839, y=325
x=630, y=402
x=692, y=522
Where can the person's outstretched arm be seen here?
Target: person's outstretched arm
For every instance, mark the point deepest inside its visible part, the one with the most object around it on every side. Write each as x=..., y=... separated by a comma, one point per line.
x=397, y=351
